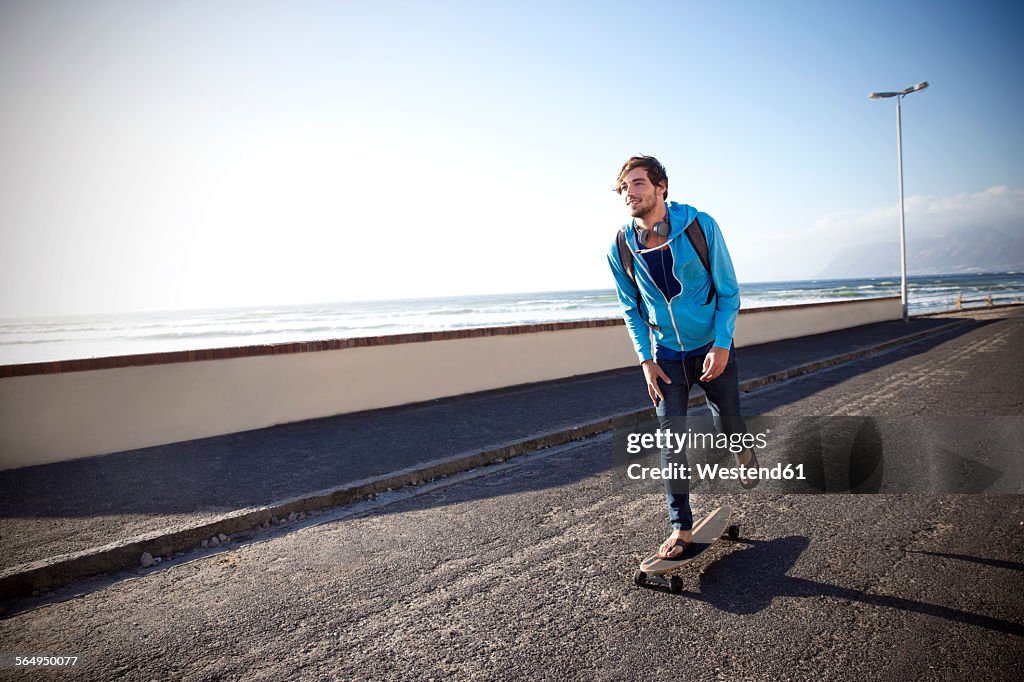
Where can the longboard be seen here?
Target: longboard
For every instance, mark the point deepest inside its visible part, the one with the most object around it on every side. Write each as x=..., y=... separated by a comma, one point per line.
x=705, y=534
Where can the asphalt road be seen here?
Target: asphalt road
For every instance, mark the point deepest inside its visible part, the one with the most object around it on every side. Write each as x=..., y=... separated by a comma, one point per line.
x=523, y=570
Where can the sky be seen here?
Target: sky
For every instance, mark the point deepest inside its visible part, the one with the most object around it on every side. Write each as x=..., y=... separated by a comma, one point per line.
x=183, y=155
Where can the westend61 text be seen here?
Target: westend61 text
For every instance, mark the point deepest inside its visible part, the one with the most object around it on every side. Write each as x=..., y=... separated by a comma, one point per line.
x=708, y=472
x=664, y=439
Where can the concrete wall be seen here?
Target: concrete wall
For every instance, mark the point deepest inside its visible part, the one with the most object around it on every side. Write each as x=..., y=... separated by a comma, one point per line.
x=59, y=415
x=761, y=325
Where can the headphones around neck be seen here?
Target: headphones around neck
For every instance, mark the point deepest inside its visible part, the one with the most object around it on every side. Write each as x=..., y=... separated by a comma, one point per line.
x=661, y=228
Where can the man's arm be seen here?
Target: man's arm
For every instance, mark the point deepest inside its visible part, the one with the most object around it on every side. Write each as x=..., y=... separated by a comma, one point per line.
x=727, y=305
x=638, y=330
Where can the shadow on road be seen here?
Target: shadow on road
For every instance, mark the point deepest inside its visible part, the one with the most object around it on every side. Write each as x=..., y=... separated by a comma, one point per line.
x=998, y=563
x=746, y=581
x=837, y=374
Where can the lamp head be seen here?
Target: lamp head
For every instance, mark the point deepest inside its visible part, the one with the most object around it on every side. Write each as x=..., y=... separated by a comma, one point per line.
x=914, y=88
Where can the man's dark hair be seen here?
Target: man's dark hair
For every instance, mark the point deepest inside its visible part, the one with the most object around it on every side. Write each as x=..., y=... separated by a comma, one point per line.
x=655, y=172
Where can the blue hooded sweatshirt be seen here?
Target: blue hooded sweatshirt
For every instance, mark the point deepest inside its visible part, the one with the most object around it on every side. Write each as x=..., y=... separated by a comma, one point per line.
x=685, y=321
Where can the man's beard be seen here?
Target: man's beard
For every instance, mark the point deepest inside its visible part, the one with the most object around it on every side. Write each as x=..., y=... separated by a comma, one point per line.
x=645, y=208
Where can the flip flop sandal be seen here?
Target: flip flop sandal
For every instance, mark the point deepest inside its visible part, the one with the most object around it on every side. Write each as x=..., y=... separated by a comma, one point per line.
x=748, y=483
x=678, y=542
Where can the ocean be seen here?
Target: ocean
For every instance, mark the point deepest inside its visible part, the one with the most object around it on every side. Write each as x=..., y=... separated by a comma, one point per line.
x=68, y=338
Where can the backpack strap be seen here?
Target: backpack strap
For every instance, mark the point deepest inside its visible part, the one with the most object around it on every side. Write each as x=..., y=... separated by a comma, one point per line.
x=626, y=260
x=700, y=245
x=625, y=255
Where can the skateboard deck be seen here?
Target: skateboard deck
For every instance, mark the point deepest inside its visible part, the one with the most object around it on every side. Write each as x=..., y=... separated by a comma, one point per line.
x=705, y=534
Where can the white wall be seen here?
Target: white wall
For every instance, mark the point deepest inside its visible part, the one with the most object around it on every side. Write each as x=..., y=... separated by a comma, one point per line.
x=786, y=322
x=54, y=417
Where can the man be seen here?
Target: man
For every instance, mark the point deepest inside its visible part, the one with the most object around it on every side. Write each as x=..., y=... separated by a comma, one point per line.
x=691, y=312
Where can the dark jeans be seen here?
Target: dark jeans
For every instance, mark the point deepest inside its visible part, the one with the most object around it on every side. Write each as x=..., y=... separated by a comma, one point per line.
x=723, y=398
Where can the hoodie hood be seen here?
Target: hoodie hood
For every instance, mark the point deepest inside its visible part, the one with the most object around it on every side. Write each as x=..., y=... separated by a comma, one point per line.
x=680, y=217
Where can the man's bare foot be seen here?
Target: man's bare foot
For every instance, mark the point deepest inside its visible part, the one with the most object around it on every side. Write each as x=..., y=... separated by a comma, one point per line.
x=675, y=545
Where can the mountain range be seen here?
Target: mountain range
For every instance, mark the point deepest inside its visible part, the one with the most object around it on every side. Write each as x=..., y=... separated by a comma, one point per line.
x=962, y=251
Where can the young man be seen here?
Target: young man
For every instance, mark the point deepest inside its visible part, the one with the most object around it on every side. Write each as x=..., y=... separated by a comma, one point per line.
x=692, y=315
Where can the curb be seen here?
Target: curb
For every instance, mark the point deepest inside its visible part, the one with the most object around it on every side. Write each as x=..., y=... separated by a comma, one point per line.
x=53, y=572
x=781, y=375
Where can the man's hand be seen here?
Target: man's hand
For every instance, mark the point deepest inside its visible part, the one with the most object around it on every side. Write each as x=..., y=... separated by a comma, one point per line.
x=714, y=363
x=652, y=373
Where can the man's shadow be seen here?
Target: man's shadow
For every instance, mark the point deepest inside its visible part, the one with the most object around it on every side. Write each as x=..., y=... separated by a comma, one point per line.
x=746, y=581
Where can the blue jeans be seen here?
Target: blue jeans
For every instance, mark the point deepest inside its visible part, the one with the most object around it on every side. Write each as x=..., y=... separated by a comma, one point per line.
x=723, y=399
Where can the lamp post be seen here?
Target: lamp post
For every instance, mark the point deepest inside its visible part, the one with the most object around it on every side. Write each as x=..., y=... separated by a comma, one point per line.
x=899, y=164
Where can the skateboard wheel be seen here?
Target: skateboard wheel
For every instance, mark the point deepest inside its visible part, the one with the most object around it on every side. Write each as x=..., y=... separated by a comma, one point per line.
x=675, y=584
x=734, y=532
x=639, y=578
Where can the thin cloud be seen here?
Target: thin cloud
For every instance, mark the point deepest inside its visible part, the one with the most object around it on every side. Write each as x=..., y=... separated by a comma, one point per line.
x=998, y=207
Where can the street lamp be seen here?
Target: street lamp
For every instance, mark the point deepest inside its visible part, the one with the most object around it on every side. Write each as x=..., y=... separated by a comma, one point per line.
x=899, y=163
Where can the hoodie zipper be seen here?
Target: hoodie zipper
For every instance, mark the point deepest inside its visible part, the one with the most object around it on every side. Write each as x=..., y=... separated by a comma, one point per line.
x=671, y=315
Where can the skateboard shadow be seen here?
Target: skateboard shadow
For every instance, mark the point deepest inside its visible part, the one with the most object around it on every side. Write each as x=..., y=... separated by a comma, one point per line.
x=746, y=581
